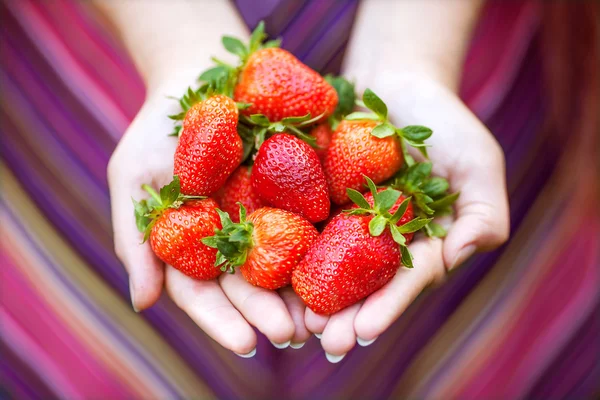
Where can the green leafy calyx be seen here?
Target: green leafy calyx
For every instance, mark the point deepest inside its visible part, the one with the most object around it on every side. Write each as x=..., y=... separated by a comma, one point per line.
x=346, y=98
x=382, y=219
x=147, y=211
x=412, y=135
x=431, y=197
x=233, y=241
x=260, y=127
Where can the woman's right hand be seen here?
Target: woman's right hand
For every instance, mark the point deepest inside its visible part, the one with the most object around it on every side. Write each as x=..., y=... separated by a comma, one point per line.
x=224, y=308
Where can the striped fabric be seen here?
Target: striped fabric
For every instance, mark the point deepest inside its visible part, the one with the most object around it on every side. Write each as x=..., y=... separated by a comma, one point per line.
x=520, y=322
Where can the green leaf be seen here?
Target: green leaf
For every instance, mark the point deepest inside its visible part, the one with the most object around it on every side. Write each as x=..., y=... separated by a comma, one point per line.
x=416, y=132
x=176, y=131
x=346, y=95
x=225, y=220
x=221, y=260
x=383, y=130
x=242, y=212
x=444, y=202
x=272, y=43
x=277, y=127
x=177, y=117
x=375, y=104
x=157, y=201
x=239, y=235
x=358, y=199
x=243, y=106
x=435, y=230
x=435, y=186
x=386, y=199
x=295, y=120
x=398, y=237
x=414, y=225
x=400, y=211
x=371, y=186
x=140, y=211
x=170, y=193
x=226, y=248
x=358, y=115
x=377, y=225
x=408, y=159
x=257, y=37
x=260, y=136
x=210, y=241
x=213, y=74
x=234, y=46
x=407, y=258
x=260, y=120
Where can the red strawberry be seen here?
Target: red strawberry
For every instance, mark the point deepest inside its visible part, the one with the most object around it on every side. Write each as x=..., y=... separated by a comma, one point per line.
x=175, y=225
x=357, y=252
x=322, y=135
x=287, y=174
x=210, y=148
x=355, y=153
x=367, y=144
x=267, y=246
x=238, y=188
x=278, y=85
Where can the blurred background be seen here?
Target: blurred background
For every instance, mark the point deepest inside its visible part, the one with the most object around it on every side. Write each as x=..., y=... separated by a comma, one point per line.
x=520, y=322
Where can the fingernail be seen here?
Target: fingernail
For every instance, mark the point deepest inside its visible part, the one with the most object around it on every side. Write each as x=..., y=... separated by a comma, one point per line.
x=334, y=359
x=247, y=355
x=463, y=254
x=365, y=343
x=297, y=345
x=318, y=335
x=281, y=345
x=132, y=294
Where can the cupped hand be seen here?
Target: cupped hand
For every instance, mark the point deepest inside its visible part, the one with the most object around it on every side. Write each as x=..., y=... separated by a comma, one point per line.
x=462, y=151
x=225, y=308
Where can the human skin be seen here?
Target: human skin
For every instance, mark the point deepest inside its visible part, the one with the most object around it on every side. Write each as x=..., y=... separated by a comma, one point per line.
x=171, y=42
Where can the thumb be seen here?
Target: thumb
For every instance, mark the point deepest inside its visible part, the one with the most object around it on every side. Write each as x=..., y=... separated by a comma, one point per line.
x=483, y=221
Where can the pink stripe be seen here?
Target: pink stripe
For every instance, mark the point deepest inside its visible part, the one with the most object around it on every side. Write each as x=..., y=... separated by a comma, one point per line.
x=558, y=296
x=107, y=68
x=79, y=145
x=501, y=53
x=35, y=357
x=65, y=359
x=82, y=86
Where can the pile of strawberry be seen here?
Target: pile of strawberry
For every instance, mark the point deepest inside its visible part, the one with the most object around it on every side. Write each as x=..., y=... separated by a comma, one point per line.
x=265, y=149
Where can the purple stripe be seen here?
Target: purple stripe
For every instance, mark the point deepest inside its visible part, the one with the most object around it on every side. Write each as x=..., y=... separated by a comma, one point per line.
x=91, y=307
x=17, y=377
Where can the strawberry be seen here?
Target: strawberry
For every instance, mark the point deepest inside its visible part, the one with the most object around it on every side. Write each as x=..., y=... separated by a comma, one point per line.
x=238, y=189
x=287, y=174
x=366, y=144
x=358, y=252
x=278, y=85
x=322, y=135
x=266, y=246
x=210, y=148
x=175, y=225
x=272, y=81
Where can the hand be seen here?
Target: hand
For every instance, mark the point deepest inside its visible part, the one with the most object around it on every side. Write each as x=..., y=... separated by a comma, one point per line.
x=464, y=152
x=224, y=308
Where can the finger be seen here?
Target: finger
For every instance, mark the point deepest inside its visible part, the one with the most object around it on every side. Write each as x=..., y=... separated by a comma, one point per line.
x=146, y=271
x=295, y=307
x=384, y=306
x=339, y=337
x=315, y=322
x=211, y=310
x=482, y=216
x=261, y=307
